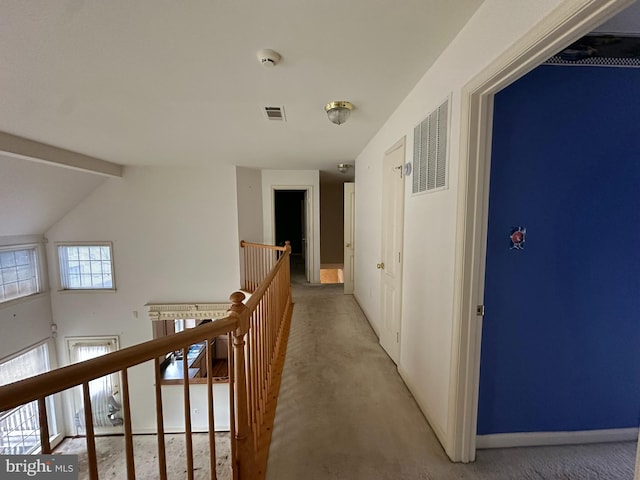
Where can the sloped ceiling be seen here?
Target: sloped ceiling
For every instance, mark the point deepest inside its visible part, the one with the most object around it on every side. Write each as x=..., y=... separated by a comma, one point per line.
x=33, y=196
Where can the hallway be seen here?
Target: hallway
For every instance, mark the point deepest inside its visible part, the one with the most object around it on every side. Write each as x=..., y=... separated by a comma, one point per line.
x=345, y=413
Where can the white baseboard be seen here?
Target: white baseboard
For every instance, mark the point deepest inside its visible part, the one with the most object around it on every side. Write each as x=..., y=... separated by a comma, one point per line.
x=536, y=439
x=437, y=429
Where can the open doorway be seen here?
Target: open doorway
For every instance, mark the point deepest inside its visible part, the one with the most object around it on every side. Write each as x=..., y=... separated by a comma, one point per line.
x=290, y=225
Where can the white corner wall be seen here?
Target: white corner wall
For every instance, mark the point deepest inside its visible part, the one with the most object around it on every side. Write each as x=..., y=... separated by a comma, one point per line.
x=293, y=180
x=430, y=219
x=249, y=191
x=175, y=239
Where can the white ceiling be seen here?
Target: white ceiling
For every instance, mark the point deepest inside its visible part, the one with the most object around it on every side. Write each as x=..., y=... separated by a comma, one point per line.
x=166, y=82
x=160, y=82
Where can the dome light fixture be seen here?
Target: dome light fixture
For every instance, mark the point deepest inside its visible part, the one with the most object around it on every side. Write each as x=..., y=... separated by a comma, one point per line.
x=344, y=167
x=338, y=111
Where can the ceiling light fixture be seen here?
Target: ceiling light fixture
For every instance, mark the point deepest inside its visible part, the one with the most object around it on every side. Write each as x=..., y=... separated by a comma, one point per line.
x=344, y=167
x=339, y=111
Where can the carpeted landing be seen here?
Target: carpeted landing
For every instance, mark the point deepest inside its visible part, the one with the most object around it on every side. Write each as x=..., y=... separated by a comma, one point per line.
x=111, y=463
x=345, y=413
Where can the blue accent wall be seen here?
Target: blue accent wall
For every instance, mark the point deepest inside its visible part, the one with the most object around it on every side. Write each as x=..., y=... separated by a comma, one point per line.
x=561, y=335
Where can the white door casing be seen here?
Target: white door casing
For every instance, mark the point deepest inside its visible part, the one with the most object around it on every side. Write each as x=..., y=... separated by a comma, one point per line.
x=391, y=258
x=349, y=238
x=311, y=268
x=566, y=24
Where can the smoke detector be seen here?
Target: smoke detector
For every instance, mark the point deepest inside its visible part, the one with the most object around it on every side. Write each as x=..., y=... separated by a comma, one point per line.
x=268, y=57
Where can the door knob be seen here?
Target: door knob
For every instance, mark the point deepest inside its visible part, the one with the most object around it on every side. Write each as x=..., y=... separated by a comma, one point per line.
x=348, y=245
x=380, y=266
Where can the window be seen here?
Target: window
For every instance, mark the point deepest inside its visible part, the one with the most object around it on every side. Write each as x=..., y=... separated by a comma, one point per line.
x=20, y=426
x=106, y=404
x=86, y=266
x=18, y=273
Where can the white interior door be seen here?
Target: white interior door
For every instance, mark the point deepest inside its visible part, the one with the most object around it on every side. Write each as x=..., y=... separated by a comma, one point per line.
x=349, y=228
x=308, y=265
x=392, y=235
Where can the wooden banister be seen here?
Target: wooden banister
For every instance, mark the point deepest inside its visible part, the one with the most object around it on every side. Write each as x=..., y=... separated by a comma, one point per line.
x=60, y=379
x=254, y=331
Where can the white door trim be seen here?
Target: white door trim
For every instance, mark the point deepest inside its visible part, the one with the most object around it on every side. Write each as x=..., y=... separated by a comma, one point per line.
x=571, y=20
x=348, y=269
x=312, y=268
x=390, y=344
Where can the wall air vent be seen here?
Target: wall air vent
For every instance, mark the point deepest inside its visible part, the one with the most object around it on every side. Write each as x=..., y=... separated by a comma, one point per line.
x=275, y=113
x=430, y=151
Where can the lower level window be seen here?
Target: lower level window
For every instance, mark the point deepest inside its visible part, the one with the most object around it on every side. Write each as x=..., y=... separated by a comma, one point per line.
x=20, y=427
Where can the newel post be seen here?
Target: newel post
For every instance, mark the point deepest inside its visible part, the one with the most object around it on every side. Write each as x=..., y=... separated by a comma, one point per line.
x=244, y=441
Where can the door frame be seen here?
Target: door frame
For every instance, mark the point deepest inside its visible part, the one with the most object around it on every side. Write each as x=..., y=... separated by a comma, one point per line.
x=348, y=247
x=399, y=145
x=567, y=23
x=309, y=260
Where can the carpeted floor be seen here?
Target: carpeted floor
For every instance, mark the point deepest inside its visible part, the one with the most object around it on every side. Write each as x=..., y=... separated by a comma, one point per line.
x=111, y=459
x=345, y=413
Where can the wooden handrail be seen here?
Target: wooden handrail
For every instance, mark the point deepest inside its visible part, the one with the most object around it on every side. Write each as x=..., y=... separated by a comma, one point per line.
x=45, y=384
x=244, y=244
x=255, y=333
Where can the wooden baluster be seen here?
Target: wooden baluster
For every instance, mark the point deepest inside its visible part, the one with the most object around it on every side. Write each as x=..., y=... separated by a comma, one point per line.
x=210, y=413
x=232, y=405
x=162, y=455
x=187, y=413
x=44, y=426
x=245, y=451
x=88, y=426
x=128, y=434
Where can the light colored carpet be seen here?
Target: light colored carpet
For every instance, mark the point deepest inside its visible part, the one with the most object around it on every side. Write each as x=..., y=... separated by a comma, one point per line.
x=111, y=459
x=345, y=413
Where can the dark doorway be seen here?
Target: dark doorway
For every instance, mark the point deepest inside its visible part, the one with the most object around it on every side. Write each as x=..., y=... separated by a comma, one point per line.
x=290, y=223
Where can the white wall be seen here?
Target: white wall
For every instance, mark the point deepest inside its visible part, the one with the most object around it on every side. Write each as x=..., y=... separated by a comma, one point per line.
x=249, y=188
x=331, y=222
x=293, y=180
x=173, y=407
x=175, y=239
x=430, y=219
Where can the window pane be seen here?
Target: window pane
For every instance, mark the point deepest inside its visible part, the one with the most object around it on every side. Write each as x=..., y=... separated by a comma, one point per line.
x=9, y=275
x=27, y=287
x=7, y=259
x=11, y=290
x=74, y=281
x=22, y=257
x=25, y=272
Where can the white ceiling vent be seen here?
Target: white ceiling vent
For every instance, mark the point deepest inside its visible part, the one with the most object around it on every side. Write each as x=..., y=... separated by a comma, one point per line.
x=430, y=151
x=275, y=113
